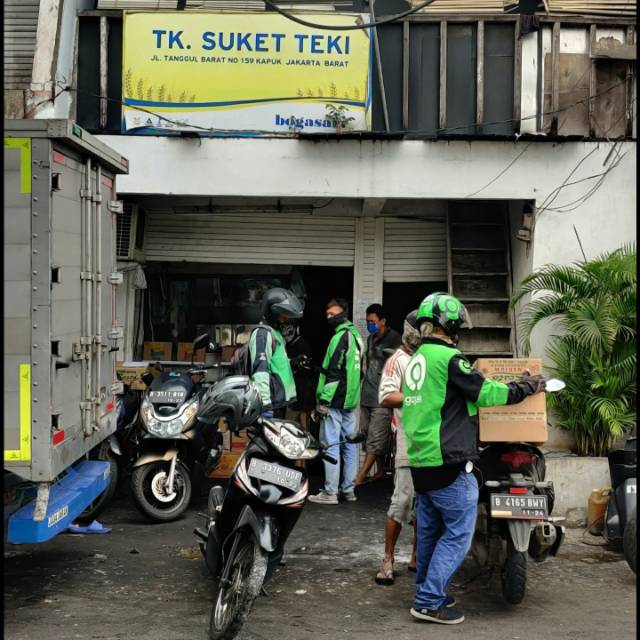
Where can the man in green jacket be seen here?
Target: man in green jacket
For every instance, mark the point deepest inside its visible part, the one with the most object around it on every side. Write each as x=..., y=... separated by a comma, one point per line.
x=269, y=364
x=338, y=395
x=441, y=396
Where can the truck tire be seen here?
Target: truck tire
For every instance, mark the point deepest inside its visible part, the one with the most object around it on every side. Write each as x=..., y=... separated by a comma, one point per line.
x=105, y=498
x=146, y=495
x=514, y=575
x=629, y=541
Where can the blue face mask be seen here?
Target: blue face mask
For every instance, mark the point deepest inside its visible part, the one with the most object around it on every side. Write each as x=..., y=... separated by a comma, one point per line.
x=372, y=328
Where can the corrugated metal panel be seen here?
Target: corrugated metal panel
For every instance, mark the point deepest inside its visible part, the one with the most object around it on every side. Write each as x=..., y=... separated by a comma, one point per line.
x=368, y=268
x=20, y=26
x=250, y=238
x=414, y=250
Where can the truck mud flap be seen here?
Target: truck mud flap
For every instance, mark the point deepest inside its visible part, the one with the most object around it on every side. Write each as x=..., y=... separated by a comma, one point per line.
x=68, y=498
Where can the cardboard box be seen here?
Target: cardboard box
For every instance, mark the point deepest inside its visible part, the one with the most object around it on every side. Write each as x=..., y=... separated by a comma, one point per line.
x=157, y=350
x=131, y=374
x=226, y=465
x=185, y=349
x=522, y=422
x=227, y=352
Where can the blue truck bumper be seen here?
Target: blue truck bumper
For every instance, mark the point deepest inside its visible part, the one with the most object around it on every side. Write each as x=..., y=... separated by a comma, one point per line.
x=68, y=498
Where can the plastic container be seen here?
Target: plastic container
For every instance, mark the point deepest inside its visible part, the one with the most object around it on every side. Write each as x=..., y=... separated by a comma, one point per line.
x=596, y=509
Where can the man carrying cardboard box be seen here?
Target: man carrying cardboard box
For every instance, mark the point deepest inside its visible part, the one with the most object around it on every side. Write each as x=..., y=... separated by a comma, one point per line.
x=442, y=394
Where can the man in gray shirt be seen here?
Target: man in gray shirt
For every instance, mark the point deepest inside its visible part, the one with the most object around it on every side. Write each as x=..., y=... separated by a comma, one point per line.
x=375, y=421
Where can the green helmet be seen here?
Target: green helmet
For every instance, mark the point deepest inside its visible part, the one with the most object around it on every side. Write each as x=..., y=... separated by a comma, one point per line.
x=445, y=311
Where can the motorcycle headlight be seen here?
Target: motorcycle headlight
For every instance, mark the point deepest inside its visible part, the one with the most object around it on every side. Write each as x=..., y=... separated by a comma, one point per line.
x=287, y=444
x=168, y=427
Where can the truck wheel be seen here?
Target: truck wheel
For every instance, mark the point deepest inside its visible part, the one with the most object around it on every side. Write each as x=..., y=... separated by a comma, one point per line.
x=147, y=484
x=105, y=498
x=629, y=541
x=514, y=575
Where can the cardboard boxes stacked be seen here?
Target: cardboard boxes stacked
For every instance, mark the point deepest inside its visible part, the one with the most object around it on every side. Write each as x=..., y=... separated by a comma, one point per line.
x=232, y=448
x=522, y=422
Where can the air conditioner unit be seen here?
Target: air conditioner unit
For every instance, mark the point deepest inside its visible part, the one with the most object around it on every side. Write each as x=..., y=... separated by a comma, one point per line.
x=126, y=232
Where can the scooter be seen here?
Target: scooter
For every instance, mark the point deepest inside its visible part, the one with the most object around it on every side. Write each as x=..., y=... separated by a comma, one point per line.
x=248, y=525
x=621, y=519
x=514, y=507
x=174, y=447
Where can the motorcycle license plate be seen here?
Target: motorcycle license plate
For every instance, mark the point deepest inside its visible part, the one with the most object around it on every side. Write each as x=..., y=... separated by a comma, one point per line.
x=170, y=397
x=275, y=473
x=521, y=507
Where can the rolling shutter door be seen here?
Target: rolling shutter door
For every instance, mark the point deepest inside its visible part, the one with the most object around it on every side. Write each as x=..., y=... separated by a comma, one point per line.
x=20, y=26
x=415, y=250
x=289, y=239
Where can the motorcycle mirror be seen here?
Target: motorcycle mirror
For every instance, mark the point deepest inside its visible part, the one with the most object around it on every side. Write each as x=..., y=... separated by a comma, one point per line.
x=147, y=378
x=356, y=437
x=552, y=385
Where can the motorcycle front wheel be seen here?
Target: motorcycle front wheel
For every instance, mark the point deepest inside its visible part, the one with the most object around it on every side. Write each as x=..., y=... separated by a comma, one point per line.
x=514, y=575
x=150, y=497
x=233, y=601
x=629, y=542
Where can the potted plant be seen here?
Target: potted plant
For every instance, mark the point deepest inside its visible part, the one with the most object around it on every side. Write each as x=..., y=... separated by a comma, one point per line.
x=593, y=303
x=338, y=115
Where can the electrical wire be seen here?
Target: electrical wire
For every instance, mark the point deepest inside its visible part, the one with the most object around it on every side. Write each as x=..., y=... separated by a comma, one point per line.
x=332, y=27
x=502, y=172
x=372, y=132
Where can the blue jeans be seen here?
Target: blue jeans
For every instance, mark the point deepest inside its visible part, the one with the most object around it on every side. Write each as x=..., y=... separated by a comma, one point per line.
x=446, y=521
x=339, y=424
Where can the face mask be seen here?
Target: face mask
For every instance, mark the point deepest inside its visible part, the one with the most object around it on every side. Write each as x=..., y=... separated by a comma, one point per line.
x=336, y=320
x=288, y=332
x=372, y=328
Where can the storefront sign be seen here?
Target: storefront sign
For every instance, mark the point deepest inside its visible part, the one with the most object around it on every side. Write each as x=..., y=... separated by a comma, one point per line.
x=253, y=72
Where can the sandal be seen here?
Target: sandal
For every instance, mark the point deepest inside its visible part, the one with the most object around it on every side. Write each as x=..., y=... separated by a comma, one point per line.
x=385, y=576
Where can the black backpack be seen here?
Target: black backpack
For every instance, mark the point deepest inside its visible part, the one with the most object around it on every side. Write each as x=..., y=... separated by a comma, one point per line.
x=240, y=365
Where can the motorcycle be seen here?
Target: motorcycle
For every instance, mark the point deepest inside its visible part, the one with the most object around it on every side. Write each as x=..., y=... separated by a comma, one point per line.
x=620, y=519
x=514, y=507
x=175, y=449
x=119, y=450
x=248, y=525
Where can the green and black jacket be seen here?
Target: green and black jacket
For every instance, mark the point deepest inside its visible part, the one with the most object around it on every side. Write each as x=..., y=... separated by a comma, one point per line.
x=270, y=368
x=442, y=393
x=339, y=381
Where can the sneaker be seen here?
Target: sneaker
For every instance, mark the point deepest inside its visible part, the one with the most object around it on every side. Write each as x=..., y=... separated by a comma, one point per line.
x=322, y=497
x=450, y=601
x=443, y=615
x=349, y=496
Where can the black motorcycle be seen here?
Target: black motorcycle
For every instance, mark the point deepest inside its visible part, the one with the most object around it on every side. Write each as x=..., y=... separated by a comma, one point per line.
x=248, y=525
x=621, y=520
x=514, y=508
x=174, y=447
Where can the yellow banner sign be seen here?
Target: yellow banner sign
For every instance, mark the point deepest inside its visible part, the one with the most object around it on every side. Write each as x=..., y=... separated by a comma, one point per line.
x=253, y=72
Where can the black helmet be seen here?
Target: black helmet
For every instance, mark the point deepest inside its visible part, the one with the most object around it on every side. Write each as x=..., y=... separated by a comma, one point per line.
x=412, y=318
x=280, y=302
x=236, y=399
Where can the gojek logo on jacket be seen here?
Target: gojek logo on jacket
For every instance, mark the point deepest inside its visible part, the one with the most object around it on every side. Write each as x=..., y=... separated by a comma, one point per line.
x=415, y=377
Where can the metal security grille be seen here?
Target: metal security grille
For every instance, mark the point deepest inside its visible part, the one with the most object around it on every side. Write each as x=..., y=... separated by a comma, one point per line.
x=415, y=250
x=268, y=238
x=20, y=26
x=125, y=231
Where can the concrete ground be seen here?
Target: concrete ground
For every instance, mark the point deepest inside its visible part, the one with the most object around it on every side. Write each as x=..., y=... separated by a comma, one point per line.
x=148, y=582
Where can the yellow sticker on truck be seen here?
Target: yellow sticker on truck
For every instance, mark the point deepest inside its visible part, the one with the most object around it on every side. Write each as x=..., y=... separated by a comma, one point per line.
x=23, y=453
x=23, y=145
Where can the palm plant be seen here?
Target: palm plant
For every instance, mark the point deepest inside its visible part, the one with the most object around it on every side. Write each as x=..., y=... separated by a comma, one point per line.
x=593, y=303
